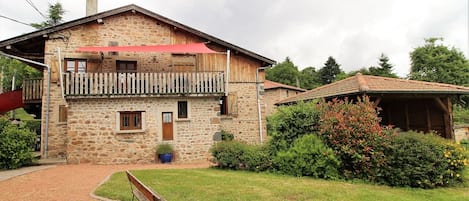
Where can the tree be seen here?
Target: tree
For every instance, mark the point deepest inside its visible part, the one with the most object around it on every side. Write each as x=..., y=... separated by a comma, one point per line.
x=384, y=69
x=437, y=63
x=309, y=78
x=54, y=16
x=8, y=67
x=285, y=73
x=329, y=72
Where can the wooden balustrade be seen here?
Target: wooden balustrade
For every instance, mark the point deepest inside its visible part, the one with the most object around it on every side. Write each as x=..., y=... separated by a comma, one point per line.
x=144, y=83
x=32, y=90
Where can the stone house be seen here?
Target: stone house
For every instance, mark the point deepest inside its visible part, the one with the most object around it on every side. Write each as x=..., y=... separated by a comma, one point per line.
x=275, y=92
x=118, y=83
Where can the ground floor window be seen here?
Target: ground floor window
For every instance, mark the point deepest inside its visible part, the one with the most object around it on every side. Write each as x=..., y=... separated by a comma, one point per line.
x=130, y=120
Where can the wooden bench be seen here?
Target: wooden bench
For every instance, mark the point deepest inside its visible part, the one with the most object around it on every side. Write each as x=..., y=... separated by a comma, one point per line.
x=140, y=191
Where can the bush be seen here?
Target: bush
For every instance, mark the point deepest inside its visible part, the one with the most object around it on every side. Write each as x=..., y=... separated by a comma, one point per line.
x=33, y=125
x=424, y=161
x=308, y=157
x=290, y=123
x=353, y=131
x=15, y=145
x=238, y=156
x=465, y=144
x=256, y=158
x=227, y=154
x=225, y=136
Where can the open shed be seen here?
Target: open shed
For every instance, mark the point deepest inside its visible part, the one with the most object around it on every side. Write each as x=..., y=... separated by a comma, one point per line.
x=406, y=104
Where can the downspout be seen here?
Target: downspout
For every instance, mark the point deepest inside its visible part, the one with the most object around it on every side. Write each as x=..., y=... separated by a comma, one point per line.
x=259, y=112
x=46, y=129
x=61, y=73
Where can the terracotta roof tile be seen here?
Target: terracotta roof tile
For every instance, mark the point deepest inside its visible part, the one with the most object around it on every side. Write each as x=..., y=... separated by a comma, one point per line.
x=360, y=84
x=272, y=85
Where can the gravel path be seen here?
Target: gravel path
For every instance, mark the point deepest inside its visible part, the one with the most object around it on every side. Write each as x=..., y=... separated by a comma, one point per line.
x=68, y=182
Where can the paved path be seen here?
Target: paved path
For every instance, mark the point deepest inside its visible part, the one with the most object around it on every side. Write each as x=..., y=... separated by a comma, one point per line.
x=68, y=182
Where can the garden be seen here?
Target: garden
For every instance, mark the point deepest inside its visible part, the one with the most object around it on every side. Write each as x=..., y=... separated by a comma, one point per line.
x=314, y=147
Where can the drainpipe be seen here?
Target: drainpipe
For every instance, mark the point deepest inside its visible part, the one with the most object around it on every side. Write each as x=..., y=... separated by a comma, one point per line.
x=259, y=112
x=46, y=129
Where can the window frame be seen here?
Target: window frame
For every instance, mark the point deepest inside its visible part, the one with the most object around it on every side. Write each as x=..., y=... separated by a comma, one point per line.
x=131, y=115
x=76, y=65
x=183, y=110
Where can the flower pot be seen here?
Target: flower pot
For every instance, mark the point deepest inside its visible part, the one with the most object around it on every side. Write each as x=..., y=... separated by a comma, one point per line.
x=166, y=158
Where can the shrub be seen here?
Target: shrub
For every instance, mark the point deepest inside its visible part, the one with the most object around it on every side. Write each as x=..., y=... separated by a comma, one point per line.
x=256, y=158
x=308, y=157
x=33, y=125
x=239, y=156
x=225, y=136
x=424, y=161
x=15, y=145
x=465, y=144
x=227, y=154
x=353, y=131
x=290, y=123
x=164, y=148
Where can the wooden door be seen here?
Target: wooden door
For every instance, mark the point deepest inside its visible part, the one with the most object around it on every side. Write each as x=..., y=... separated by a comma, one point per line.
x=167, y=118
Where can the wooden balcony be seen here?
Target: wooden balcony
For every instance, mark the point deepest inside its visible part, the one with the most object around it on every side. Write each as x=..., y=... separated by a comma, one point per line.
x=83, y=85
x=32, y=90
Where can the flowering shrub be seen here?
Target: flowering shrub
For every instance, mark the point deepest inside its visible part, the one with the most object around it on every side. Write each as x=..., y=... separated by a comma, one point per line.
x=308, y=157
x=353, y=131
x=424, y=161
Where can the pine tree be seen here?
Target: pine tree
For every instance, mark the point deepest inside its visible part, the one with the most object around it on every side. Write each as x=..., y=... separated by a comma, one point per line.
x=329, y=72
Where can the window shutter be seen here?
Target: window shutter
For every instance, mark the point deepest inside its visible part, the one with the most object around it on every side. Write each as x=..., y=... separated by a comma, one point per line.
x=232, y=103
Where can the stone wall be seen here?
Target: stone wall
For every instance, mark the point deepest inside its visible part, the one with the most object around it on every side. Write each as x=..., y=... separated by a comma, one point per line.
x=94, y=136
x=244, y=124
x=275, y=95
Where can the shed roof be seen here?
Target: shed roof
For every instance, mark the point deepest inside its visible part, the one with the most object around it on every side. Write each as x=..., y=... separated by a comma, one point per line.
x=31, y=45
x=274, y=85
x=367, y=84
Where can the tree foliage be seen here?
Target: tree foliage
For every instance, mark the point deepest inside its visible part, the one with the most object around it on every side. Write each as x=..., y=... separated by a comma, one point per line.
x=329, y=72
x=285, y=72
x=384, y=68
x=309, y=78
x=23, y=71
x=438, y=63
x=54, y=17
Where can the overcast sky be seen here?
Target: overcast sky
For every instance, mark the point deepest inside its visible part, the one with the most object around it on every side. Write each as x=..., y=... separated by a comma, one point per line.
x=354, y=32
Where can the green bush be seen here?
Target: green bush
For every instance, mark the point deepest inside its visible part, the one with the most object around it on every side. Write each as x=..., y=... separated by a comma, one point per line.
x=256, y=158
x=353, y=131
x=33, y=125
x=225, y=136
x=239, y=156
x=290, y=123
x=465, y=144
x=15, y=145
x=460, y=115
x=424, y=161
x=228, y=154
x=308, y=157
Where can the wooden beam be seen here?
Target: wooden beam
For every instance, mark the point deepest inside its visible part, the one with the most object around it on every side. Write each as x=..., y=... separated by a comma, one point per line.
x=429, y=120
x=406, y=111
x=376, y=102
x=441, y=105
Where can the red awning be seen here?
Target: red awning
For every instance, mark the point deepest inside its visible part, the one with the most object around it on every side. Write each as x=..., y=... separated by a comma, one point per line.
x=178, y=48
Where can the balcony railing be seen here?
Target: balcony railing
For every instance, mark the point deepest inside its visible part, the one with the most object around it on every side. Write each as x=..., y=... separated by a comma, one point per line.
x=144, y=83
x=32, y=90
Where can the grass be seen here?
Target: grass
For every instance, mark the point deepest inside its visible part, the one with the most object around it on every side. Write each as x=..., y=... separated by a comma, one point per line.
x=215, y=184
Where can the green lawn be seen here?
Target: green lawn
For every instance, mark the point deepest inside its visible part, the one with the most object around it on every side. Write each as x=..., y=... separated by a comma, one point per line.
x=214, y=184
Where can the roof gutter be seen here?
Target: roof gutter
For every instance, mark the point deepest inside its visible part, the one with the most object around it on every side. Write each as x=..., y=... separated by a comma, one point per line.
x=46, y=129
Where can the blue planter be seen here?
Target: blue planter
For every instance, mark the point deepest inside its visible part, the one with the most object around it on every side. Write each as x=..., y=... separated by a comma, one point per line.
x=166, y=158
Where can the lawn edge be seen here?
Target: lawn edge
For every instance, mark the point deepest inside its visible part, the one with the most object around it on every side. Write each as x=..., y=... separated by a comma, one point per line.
x=97, y=197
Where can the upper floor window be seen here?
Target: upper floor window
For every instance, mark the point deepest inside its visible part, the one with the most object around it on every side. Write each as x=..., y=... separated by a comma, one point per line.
x=126, y=66
x=75, y=65
x=182, y=109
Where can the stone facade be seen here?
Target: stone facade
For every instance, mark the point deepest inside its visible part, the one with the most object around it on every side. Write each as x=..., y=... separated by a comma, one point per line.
x=94, y=136
x=90, y=132
x=274, y=95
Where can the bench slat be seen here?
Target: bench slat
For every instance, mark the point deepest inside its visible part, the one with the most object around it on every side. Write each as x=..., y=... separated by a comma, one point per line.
x=142, y=190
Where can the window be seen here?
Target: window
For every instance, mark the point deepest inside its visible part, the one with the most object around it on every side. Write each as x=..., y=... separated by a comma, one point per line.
x=126, y=66
x=130, y=120
x=224, y=105
x=75, y=65
x=62, y=113
x=182, y=109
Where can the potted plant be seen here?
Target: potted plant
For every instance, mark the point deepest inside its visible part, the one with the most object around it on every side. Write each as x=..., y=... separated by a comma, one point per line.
x=165, y=152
